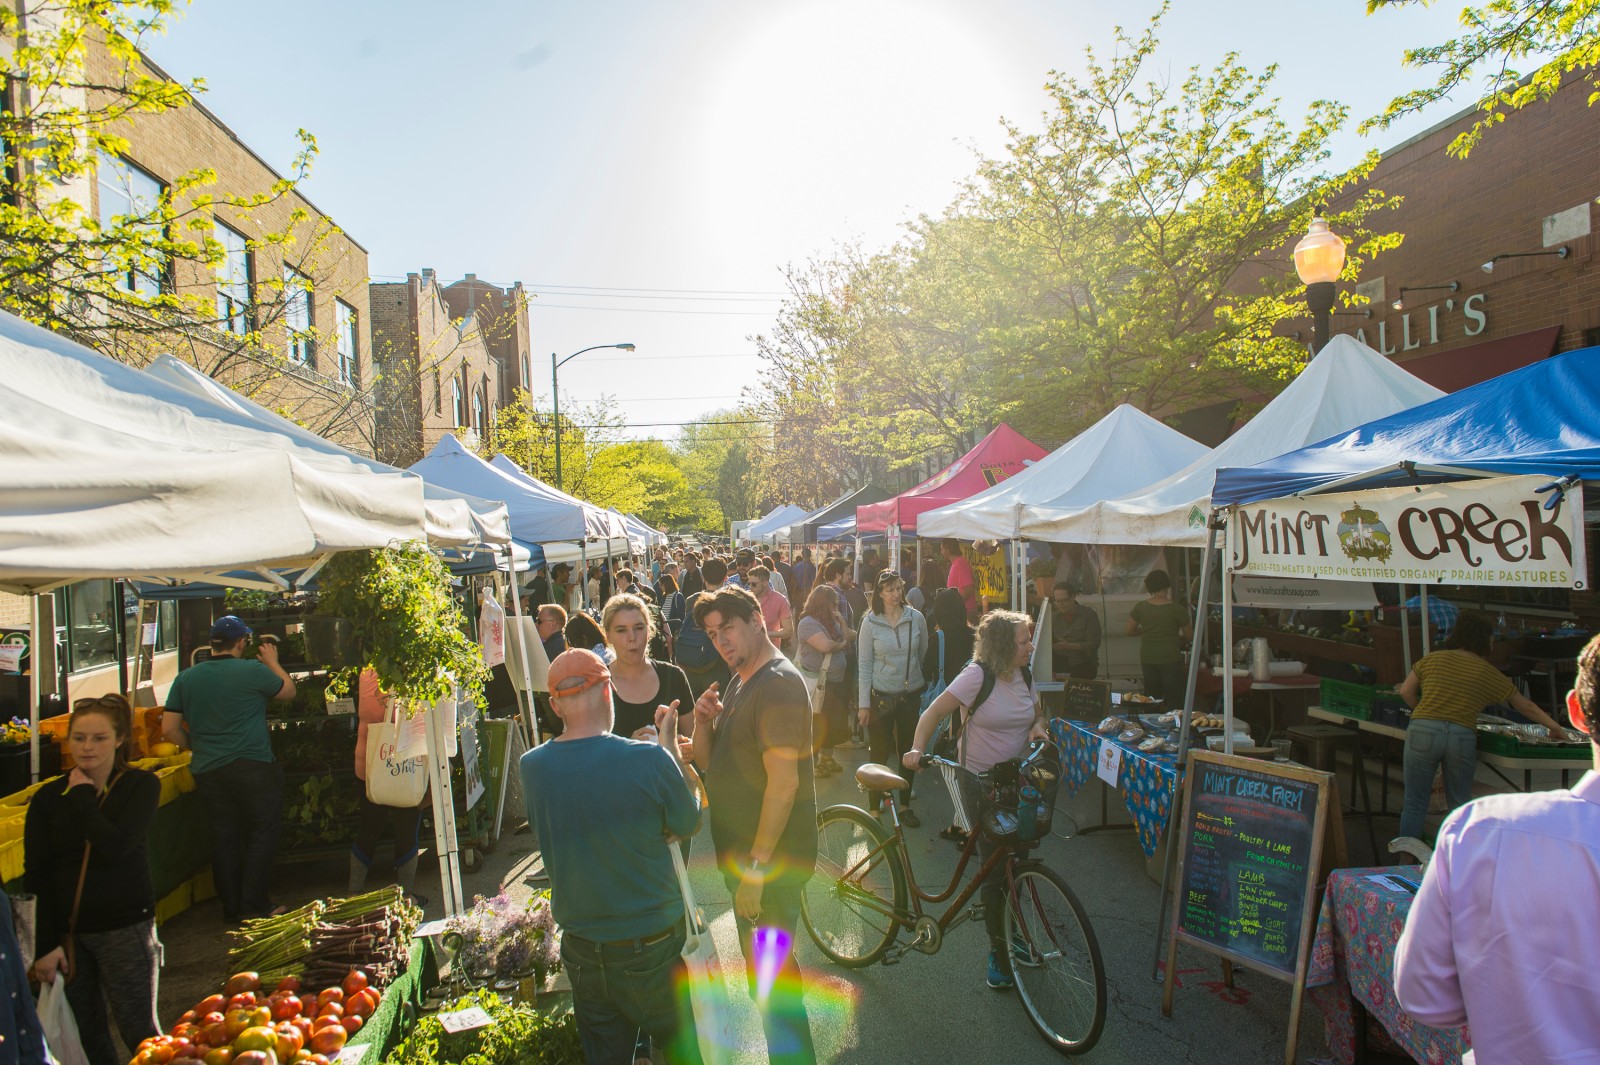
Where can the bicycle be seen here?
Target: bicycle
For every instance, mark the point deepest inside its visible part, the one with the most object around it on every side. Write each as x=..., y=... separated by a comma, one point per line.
x=865, y=891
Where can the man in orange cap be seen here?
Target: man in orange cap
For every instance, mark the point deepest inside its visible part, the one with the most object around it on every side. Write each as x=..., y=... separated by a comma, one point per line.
x=605, y=808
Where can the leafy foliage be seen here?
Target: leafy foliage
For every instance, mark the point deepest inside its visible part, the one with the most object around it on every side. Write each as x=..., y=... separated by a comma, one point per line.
x=414, y=632
x=1495, y=36
x=520, y=1035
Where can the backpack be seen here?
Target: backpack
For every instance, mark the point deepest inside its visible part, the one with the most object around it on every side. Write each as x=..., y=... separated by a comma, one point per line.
x=659, y=649
x=946, y=743
x=694, y=650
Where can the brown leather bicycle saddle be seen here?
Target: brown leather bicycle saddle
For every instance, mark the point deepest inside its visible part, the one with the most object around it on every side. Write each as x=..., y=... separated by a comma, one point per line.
x=875, y=777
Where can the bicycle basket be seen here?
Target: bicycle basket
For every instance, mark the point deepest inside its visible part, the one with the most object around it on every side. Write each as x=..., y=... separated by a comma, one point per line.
x=1018, y=799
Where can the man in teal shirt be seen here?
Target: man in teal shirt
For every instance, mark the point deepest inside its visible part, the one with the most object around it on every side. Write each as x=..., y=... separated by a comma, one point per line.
x=218, y=708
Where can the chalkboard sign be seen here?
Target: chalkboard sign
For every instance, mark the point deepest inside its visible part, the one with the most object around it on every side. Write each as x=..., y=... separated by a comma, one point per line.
x=1251, y=847
x=1087, y=700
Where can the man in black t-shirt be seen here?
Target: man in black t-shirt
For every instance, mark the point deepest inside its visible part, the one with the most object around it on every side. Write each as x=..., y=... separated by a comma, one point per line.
x=754, y=748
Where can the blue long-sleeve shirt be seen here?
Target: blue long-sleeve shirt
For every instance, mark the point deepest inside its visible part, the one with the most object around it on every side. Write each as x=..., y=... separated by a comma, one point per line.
x=21, y=1035
x=602, y=807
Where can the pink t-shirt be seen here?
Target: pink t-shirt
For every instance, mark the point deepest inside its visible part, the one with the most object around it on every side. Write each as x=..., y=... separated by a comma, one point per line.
x=961, y=577
x=999, y=730
x=774, y=609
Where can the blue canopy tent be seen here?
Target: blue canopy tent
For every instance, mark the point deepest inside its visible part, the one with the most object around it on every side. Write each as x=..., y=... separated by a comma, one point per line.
x=1543, y=419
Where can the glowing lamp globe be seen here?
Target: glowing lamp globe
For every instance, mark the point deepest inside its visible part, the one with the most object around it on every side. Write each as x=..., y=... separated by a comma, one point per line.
x=1320, y=254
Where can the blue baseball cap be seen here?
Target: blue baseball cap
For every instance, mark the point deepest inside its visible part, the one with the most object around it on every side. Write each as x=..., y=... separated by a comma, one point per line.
x=228, y=629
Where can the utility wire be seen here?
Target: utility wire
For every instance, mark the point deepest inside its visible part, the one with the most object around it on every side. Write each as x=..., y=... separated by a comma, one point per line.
x=535, y=305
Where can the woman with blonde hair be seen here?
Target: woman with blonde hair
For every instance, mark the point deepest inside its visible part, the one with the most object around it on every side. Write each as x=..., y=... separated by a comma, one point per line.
x=999, y=716
x=640, y=683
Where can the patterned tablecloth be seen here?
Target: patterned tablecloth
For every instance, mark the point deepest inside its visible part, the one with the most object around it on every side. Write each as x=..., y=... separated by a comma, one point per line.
x=1145, y=780
x=1353, y=955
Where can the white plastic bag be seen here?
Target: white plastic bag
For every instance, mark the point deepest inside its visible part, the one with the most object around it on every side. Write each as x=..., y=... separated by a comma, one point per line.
x=397, y=762
x=492, y=630
x=60, y=1027
x=713, y=1016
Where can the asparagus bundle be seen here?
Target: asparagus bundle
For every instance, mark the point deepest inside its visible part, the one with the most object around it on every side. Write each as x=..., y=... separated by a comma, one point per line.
x=324, y=939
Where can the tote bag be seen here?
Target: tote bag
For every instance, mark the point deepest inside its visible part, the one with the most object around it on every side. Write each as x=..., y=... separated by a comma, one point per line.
x=713, y=1017
x=817, y=683
x=397, y=761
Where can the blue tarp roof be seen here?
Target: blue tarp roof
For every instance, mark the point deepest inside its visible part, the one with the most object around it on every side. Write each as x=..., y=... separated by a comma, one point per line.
x=1542, y=419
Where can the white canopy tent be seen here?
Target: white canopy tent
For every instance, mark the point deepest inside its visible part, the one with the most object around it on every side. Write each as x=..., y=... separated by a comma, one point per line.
x=1347, y=384
x=447, y=511
x=778, y=518
x=605, y=532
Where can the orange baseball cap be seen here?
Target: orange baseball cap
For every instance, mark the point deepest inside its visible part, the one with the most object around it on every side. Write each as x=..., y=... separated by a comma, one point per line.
x=576, y=662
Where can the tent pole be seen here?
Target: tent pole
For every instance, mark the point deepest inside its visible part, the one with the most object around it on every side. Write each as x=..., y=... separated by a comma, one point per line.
x=856, y=572
x=1169, y=865
x=1227, y=658
x=530, y=722
x=444, y=813
x=1405, y=631
x=1427, y=621
x=583, y=577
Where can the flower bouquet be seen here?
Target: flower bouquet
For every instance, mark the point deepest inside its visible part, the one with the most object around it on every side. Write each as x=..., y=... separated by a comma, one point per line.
x=503, y=942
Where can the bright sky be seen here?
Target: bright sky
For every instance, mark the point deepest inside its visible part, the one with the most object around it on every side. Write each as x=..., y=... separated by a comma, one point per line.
x=649, y=168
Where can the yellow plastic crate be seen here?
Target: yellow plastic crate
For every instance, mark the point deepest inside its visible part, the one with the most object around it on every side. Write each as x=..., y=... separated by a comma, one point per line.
x=10, y=861
x=11, y=824
x=175, y=902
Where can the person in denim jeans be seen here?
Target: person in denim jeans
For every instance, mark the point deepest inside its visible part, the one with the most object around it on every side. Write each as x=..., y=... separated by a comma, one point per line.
x=218, y=707
x=1446, y=691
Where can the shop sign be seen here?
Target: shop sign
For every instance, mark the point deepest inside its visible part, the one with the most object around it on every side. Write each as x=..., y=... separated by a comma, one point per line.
x=1492, y=531
x=1432, y=324
x=1290, y=593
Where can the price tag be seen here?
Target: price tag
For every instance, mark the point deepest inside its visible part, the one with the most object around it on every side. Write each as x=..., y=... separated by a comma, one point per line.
x=431, y=928
x=1109, y=764
x=465, y=1020
x=341, y=706
x=1116, y=698
x=11, y=657
x=147, y=635
x=353, y=1055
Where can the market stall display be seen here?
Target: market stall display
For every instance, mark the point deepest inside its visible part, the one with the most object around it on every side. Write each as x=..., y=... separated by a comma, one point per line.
x=509, y=1033
x=1351, y=977
x=324, y=939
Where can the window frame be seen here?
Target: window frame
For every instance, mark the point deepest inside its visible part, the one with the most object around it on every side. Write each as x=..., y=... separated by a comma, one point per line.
x=299, y=344
x=233, y=310
x=129, y=280
x=345, y=330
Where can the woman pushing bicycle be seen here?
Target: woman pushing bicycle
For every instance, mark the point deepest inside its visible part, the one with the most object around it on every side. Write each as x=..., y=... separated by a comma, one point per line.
x=998, y=716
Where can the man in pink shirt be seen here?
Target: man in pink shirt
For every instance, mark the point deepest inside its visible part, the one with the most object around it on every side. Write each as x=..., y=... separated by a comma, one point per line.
x=775, y=609
x=961, y=577
x=1502, y=936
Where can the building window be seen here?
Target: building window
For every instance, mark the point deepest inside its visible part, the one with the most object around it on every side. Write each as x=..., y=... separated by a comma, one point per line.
x=438, y=393
x=233, y=280
x=297, y=316
x=129, y=194
x=345, y=324
x=477, y=412
x=527, y=373
x=458, y=409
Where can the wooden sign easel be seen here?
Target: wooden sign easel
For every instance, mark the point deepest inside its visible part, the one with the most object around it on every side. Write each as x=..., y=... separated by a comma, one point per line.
x=1254, y=852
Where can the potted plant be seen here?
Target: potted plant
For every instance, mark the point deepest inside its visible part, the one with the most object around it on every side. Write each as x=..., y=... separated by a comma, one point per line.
x=1043, y=572
x=411, y=630
x=515, y=946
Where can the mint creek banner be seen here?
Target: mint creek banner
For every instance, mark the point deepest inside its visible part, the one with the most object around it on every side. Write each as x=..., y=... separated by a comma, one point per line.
x=1493, y=531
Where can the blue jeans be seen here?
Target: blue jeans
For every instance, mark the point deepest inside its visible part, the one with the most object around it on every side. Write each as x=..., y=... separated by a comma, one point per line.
x=1429, y=743
x=245, y=799
x=618, y=991
x=783, y=1015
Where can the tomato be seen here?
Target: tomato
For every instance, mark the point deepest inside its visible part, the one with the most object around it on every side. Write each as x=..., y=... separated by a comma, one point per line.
x=255, y=1057
x=237, y=1021
x=303, y=1023
x=329, y=994
x=355, y=980
x=255, y=1039
x=188, y=1017
x=332, y=1009
x=317, y=1059
x=241, y=982
x=363, y=1003
x=351, y=1024
x=188, y=1030
x=214, y=1035
x=286, y=1008
x=327, y=1020
x=219, y=1056
x=329, y=1040
x=214, y=1017
x=245, y=1000
x=290, y=984
x=261, y=1017
x=212, y=1004
x=184, y=1048
x=290, y=1040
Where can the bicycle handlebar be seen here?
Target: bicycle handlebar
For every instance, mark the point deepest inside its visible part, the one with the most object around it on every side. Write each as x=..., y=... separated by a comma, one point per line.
x=1035, y=749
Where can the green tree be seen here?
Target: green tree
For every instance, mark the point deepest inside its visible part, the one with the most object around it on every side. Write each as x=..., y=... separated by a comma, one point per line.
x=642, y=477
x=722, y=458
x=526, y=435
x=1497, y=38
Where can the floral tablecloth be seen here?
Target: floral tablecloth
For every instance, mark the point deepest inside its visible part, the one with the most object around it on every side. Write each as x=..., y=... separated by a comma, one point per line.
x=1145, y=780
x=1353, y=955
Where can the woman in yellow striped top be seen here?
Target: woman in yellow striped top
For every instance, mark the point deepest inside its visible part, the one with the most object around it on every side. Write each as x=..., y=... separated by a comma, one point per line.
x=1446, y=691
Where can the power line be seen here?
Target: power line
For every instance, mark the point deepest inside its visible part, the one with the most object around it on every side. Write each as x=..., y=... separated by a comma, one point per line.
x=658, y=358
x=534, y=305
x=617, y=289
x=669, y=425
x=642, y=296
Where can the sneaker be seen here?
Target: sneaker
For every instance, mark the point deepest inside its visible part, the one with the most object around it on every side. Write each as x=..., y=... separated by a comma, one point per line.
x=828, y=765
x=1022, y=953
x=998, y=979
x=909, y=818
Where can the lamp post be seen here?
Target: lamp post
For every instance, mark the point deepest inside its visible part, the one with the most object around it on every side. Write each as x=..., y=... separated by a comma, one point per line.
x=1318, y=259
x=555, y=395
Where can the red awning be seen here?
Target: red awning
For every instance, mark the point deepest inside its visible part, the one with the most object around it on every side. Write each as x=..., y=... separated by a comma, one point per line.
x=1457, y=368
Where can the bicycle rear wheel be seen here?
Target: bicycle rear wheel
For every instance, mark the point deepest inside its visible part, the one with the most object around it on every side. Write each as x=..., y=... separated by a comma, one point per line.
x=1060, y=976
x=848, y=904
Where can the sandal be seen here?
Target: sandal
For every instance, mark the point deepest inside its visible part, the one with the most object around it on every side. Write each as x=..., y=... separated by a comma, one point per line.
x=953, y=834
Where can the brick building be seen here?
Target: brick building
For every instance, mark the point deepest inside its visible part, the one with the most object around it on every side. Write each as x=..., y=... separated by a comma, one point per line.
x=448, y=356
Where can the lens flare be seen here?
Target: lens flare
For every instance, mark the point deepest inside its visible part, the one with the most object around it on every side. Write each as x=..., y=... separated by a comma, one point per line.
x=770, y=948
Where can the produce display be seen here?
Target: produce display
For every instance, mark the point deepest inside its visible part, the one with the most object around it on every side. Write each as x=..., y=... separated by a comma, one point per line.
x=520, y=1035
x=248, y=1025
x=324, y=939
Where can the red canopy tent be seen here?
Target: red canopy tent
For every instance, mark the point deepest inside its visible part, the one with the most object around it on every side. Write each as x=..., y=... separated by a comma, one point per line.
x=999, y=455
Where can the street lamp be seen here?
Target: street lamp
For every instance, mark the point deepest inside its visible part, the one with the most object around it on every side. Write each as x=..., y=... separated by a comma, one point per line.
x=1319, y=259
x=555, y=395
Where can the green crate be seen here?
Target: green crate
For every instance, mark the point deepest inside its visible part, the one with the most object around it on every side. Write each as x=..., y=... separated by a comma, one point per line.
x=1347, y=698
x=1500, y=743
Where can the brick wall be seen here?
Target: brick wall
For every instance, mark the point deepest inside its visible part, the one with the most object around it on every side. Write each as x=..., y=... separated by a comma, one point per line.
x=502, y=315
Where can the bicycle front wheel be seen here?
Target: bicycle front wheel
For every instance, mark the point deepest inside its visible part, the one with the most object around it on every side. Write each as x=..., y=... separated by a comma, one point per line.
x=1055, y=958
x=849, y=905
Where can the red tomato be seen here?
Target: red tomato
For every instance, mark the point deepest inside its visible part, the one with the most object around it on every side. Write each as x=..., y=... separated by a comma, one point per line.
x=290, y=984
x=355, y=980
x=236, y=1022
x=255, y=1057
x=185, y=1031
x=212, y=1004
x=329, y=994
x=188, y=1017
x=326, y=1020
x=351, y=1024
x=219, y=1056
x=363, y=1003
x=216, y=1035
x=329, y=1040
x=286, y=1008
x=331, y=1009
x=214, y=1017
x=317, y=1059
x=241, y=982
x=245, y=1000
x=303, y=1023
x=290, y=1040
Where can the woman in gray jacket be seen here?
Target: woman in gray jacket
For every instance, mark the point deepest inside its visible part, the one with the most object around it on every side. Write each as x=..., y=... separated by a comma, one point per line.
x=889, y=684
